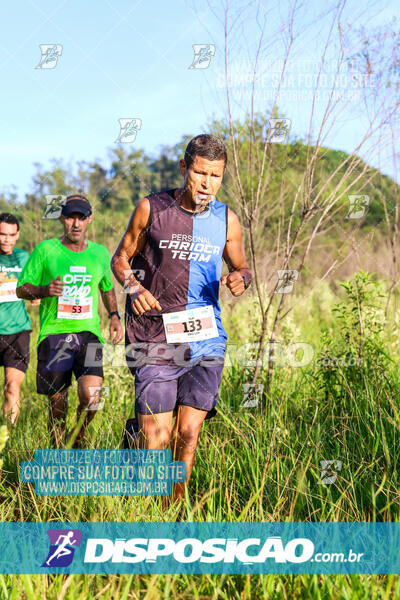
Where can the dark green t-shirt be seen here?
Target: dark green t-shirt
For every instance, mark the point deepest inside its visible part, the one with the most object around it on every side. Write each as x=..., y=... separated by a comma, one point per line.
x=13, y=315
x=82, y=273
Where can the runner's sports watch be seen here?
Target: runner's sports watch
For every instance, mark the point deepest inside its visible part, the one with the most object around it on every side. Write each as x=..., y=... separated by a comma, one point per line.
x=114, y=312
x=246, y=281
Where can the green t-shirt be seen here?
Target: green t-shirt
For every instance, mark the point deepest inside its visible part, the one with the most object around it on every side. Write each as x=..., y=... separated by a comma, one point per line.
x=82, y=272
x=13, y=315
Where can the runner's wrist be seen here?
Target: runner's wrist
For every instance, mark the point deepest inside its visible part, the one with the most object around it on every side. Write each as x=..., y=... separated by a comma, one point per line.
x=246, y=276
x=135, y=288
x=39, y=292
x=114, y=314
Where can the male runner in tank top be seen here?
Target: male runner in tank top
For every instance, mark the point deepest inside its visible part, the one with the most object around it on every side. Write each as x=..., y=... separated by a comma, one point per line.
x=177, y=239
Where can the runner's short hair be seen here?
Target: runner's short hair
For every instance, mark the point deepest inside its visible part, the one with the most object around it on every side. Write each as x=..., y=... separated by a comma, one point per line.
x=9, y=218
x=207, y=146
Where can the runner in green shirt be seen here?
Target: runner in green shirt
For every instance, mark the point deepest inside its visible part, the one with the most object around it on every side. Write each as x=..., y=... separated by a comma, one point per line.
x=67, y=274
x=15, y=324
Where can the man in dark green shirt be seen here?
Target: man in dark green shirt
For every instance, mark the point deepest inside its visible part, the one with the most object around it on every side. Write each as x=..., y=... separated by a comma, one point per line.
x=15, y=324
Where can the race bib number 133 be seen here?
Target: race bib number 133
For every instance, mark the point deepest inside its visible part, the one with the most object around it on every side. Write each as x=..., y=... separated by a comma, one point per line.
x=190, y=325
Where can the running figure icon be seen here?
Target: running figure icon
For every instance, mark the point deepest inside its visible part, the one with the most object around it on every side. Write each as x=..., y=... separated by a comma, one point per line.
x=62, y=549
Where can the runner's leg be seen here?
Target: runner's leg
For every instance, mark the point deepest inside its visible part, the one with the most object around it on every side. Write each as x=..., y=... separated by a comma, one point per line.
x=13, y=379
x=155, y=399
x=89, y=393
x=155, y=430
x=58, y=407
x=155, y=433
x=53, y=378
x=156, y=393
x=197, y=397
x=184, y=440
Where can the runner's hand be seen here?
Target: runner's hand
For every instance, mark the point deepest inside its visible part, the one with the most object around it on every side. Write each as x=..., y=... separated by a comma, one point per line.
x=55, y=287
x=143, y=300
x=234, y=281
x=35, y=302
x=116, y=331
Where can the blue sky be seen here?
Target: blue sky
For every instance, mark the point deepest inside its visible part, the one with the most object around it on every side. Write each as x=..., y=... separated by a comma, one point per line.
x=124, y=59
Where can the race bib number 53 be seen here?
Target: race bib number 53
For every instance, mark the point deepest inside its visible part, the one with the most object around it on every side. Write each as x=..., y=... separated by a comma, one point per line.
x=190, y=325
x=74, y=307
x=76, y=302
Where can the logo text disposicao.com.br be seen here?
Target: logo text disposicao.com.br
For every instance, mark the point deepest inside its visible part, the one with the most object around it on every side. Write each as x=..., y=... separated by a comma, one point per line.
x=212, y=550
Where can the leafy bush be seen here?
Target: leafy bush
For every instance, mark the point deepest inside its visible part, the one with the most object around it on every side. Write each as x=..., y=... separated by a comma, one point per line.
x=353, y=350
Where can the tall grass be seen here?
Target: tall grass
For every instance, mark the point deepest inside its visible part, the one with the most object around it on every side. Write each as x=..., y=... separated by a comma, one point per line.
x=259, y=464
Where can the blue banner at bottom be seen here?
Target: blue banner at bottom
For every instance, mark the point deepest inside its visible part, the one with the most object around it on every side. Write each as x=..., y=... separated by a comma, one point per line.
x=195, y=548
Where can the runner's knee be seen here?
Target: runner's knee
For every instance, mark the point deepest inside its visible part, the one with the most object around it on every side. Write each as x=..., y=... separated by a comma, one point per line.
x=152, y=430
x=58, y=403
x=11, y=387
x=188, y=434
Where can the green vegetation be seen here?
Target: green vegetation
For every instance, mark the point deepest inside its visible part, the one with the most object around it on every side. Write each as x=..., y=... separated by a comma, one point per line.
x=3, y=440
x=257, y=464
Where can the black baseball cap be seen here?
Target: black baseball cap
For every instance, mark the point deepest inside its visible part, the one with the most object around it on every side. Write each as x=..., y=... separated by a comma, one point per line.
x=76, y=203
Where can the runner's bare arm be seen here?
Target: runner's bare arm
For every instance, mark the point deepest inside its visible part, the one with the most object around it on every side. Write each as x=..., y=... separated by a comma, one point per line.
x=27, y=291
x=30, y=292
x=235, y=258
x=133, y=241
x=110, y=302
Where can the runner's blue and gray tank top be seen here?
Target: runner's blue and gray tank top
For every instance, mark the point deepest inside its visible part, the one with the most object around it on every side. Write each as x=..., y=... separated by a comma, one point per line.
x=180, y=265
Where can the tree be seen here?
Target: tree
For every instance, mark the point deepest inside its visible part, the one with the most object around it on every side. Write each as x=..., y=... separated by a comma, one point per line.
x=262, y=186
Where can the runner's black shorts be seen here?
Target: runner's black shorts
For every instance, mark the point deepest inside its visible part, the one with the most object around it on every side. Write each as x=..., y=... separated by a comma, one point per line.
x=61, y=354
x=14, y=350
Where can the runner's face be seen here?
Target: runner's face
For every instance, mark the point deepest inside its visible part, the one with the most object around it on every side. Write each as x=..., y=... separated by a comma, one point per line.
x=9, y=235
x=75, y=226
x=202, y=179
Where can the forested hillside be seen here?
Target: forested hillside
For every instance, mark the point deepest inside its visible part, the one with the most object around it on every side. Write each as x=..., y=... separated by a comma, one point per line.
x=130, y=174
